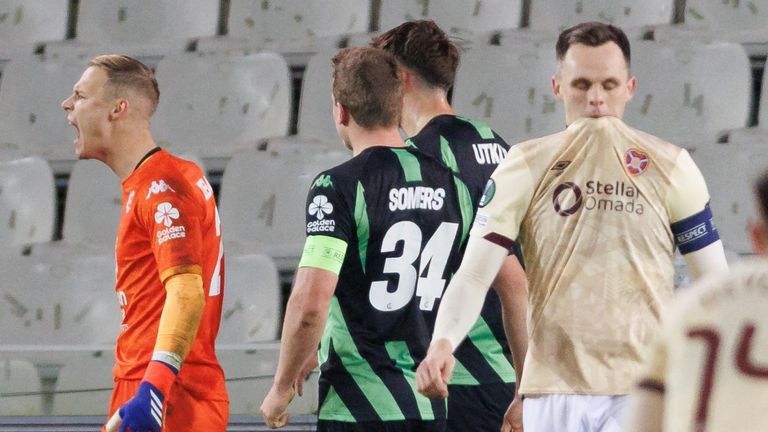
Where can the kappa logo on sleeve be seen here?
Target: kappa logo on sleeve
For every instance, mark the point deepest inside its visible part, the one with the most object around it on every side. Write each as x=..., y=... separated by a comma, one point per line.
x=157, y=187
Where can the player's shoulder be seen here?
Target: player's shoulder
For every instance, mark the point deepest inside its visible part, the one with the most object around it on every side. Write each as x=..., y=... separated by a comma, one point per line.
x=655, y=144
x=167, y=174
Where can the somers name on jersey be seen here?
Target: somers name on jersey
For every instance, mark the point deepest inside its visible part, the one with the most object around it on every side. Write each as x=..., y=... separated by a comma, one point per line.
x=416, y=197
x=489, y=153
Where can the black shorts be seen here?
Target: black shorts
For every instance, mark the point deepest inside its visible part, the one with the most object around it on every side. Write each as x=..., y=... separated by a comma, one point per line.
x=478, y=408
x=384, y=426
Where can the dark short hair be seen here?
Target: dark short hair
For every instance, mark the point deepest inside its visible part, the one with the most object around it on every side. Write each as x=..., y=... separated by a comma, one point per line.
x=423, y=48
x=592, y=34
x=366, y=82
x=127, y=73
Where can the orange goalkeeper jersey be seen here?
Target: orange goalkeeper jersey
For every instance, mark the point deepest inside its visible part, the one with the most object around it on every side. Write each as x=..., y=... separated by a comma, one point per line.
x=169, y=225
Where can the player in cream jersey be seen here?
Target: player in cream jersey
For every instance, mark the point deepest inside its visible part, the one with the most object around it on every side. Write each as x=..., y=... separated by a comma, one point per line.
x=597, y=218
x=708, y=370
x=598, y=210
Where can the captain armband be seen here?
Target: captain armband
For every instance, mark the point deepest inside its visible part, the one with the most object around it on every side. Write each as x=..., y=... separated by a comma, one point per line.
x=324, y=252
x=695, y=232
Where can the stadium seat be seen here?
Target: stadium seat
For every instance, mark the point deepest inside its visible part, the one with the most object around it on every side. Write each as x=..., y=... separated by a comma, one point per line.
x=730, y=170
x=250, y=372
x=518, y=106
x=554, y=16
x=290, y=24
x=26, y=23
x=316, y=109
x=93, y=208
x=264, y=216
x=18, y=377
x=69, y=301
x=742, y=21
x=27, y=204
x=689, y=93
x=141, y=27
x=31, y=119
x=84, y=384
x=251, y=310
x=248, y=100
x=460, y=18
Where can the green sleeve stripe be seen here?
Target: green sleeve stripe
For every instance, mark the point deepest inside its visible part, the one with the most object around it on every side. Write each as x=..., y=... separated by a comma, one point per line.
x=374, y=388
x=361, y=221
x=334, y=408
x=462, y=376
x=398, y=351
x=485, y=341
x=483, y=129
x=467, y=208
x=410, y=164
x=449, y=159
x=324, y=252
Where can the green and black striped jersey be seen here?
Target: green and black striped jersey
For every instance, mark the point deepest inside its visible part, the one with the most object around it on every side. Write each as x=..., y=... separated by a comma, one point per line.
x=388, y=222
x=473, y=151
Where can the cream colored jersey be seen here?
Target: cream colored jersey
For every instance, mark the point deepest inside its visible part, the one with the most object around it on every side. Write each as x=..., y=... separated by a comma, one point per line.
x=711, y=360
x=597, y=209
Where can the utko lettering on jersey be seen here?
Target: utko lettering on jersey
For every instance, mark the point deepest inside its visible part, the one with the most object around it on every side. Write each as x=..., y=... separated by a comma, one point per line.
x=568, y=198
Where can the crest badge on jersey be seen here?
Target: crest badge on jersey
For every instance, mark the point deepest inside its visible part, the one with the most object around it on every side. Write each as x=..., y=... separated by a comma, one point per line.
x=490, y=191
x=636, y=161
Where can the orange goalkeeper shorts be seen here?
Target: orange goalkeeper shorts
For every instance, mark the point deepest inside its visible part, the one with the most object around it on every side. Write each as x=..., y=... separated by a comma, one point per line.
x=182, y=410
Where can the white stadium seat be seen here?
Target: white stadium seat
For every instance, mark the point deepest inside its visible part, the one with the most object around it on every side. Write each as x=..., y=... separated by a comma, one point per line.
x=316, y=108
x=689, y=93
x=287, y=24
x=264, y=216
x=25, y=23
x=18, y=377
x=68, y=301
x=145, y=26
x=27, y=204
x=31, y=119
x=554, y=15
x=251, y=310
x=730, y=170
x=743, y=21
x=250, y=370
x=509, y=88
x=465, y=19
x=93, y=207
x=84, y=384
x=248, y=100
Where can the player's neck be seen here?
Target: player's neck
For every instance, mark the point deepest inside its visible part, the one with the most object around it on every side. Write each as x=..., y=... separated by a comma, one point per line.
x=362, y=139
x=421, y=106
x=129, y=147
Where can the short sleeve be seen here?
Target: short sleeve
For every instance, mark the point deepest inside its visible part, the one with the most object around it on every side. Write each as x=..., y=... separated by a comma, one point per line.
x=690, y=217
x=173, y=215
x=329, y=225
x=505, y=201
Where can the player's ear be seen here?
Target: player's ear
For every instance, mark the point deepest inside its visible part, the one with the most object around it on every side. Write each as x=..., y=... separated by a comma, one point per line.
x=758, y=233
x=119, y=109
x=631, y=86
x=556, y=87
x=343, y=116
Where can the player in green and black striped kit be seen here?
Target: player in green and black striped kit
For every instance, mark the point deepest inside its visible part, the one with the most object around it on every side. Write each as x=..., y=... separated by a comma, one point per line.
x=483, y=383
x=383, y=234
